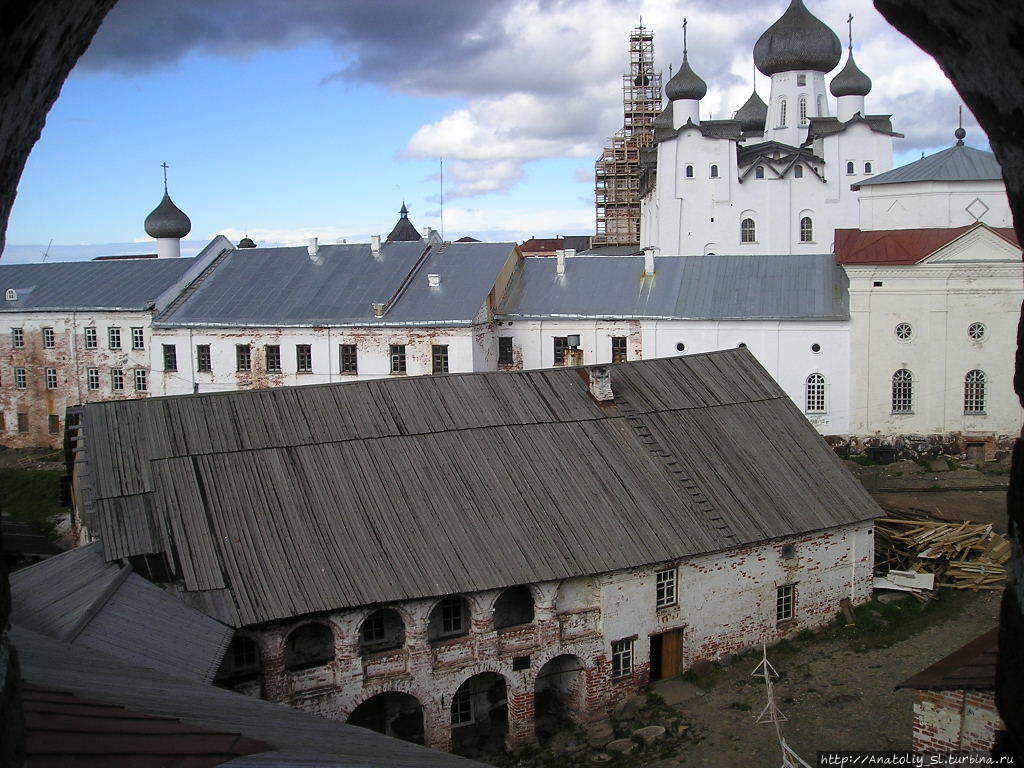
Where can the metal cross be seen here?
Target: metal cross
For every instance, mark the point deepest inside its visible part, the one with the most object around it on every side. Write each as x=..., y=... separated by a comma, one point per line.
x=684, y=39
x=165, y=167
x=849, y=28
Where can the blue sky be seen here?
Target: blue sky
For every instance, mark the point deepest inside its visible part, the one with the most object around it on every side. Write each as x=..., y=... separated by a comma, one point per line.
x=289, y=119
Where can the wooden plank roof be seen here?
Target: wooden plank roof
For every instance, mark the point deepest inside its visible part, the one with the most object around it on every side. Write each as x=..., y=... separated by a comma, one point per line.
x=305, y=499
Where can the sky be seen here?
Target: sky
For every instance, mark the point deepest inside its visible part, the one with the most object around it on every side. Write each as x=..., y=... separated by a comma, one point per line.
x=286, y=119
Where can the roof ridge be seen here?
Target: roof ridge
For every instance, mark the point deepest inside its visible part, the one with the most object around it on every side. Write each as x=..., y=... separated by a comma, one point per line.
x=186, y=293
x=93, y=610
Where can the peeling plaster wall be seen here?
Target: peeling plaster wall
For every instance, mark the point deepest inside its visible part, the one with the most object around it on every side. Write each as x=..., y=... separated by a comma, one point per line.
x=955, y=721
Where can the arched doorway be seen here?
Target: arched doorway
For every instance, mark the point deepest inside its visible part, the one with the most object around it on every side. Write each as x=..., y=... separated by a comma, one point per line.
x=558, y=695
x=393, y=714
x=479, y=715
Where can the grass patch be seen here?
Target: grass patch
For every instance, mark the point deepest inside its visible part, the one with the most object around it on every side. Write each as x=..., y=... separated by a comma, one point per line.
x=32, y=496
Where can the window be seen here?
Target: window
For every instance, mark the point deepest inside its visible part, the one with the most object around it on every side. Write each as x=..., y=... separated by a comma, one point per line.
x=347, y=355
x=47, y=338
x=19, y=378
x=803, y=110
x=53, y=424
x=618, y=349
x=310, y=645
x=902, y=391
x=816, y=348
x=903, y=331
x=398, y=358
x=976, y=331
x=665, y=587
x=680, y=346
x=170, y=357
x=798, y=172
x=814, y=393
x=782, y=113
x=747, y=231
x=203, y=361
x=241, y=662
x=90, y=338
x=849, y=168
x=114, y=338
x=141, y=380
x=714, y=171
x=453, y=616
x=561, y=343
x=784, y=603
x=974, y=392
x=3, y=422
x=243, y=357
x=17, y=338
x=462, y=706
x=622, y=658
x=439, y=358
x=504, y=350
x=92, y=378
x=116, y=379
x=272, y=357
x=759, y=172
x=689, y=171
x=806, y=230
x=138, y=340
x=11, y=295
x=51, y=378
x=821, y=105
x=22, y=422
x=867, y=167
x=303, y=358
x=801, y=81
x=383, y=630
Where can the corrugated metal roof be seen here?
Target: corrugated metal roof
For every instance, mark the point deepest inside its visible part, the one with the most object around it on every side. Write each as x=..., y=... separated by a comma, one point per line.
x=714, y=287
x=286, y=287
x=902, y=246
x=81, y=285
x=958, y=163
x=306, y=499
x=970, y=668
x=80, y=598
x=298, y=738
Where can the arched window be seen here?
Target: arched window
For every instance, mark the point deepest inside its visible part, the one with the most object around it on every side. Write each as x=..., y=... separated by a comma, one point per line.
x=798, y=171
x=803, y=110
x=902, y=391
x=689, y=171
x=714, y=171
x=867, y=167
x=11, y=295
x=450, y=618
x=814, y=393
x=513, y=607
x=311, y=645
x=747, y=231
x=821, y=105
x=806, y=230
x=849, y=167
x=759, y=172
x=382, y=630
x=974, y=392
x=782, y=113
x=241, y=662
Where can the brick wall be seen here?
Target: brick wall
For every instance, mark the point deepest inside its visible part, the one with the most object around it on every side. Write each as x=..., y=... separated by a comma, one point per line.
x=955, y=721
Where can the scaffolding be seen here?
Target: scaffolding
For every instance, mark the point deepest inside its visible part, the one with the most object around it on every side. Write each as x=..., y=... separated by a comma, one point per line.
x=617, y=171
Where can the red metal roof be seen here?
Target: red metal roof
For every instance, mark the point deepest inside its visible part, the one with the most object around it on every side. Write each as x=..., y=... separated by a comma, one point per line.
x=971, y=668
x=901, y=246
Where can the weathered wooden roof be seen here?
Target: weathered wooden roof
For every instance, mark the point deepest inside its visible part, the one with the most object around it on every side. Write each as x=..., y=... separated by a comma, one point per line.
x=280, y=502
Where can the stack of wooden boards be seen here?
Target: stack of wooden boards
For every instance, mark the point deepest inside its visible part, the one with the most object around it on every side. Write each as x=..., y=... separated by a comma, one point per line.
x=961, y=555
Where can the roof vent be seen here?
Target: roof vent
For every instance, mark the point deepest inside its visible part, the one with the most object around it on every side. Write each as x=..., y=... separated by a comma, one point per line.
x=559, y=263
x=600, y=380
x=375, y=245
x=378, y=309
x=11, y=295
x=434, y=281
x=311, y=246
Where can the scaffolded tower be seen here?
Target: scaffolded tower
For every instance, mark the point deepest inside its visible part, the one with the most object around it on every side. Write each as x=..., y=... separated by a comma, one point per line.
x=617, y=171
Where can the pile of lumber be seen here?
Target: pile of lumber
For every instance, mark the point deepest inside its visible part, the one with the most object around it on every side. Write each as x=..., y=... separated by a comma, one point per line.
x=961, y=555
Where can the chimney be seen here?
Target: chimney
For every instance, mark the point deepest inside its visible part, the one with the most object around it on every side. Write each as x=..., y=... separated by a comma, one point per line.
x=648, y=262
x=375, y=245
x=600, y=379
x=378, y=309
x=559, y=263
x=311, y=246
x=434, y=281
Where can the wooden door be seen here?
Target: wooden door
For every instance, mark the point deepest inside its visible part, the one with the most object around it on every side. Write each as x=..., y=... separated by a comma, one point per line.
x=671, y=653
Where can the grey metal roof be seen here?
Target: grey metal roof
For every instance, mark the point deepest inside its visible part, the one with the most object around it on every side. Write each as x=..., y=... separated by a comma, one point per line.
x=276, y=287
x=288, y=501
x=958, y=163
x=713, y=287
x=89, y=285
x=79, y=598
x=403, y=231
x=820, y=127
x=300, y=739
x=797, y=40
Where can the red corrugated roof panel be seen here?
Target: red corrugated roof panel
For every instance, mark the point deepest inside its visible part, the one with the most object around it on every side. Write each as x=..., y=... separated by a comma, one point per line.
x=901, y=246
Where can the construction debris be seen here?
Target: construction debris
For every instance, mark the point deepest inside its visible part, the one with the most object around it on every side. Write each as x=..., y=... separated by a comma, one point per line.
x=915, y=553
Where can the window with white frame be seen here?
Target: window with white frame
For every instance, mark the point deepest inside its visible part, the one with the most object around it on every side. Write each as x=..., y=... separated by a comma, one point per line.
x=803, y=110
x=117, y=379
x=784, y=600
x=17, y=338
x=90, y=338
x=141, y=380
x=806, y=230
x=748, y=231
x=782, y=113
x=665, y=587
x=398, y=364
x=902, y=391
x=138, y=339
x=20, y=380
x=51, y=378
x=11, y=295
x=974, y=392
x=462, y=706
x=304, y=358
x=48, y=339
x=453, y=615
x=92, y=378
x=976, y=331
x=114, y=338
x=622, y=657
x=814, y=394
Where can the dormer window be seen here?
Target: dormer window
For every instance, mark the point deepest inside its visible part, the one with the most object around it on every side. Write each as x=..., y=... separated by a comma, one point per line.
x=798, y=171
x=759, y=172
x=801, y=81
x=11, y=295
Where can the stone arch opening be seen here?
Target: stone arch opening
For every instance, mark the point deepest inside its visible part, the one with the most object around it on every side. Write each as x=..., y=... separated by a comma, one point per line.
x=513, y=607
x=393, y=713
x=383, y=630
x=242, y=666
x=479, y=715
x=559, y=695
x=311, y=645
x=449, y=618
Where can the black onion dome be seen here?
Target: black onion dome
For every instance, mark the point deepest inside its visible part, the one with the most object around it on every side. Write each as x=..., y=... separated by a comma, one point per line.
x=685, y=84
x=246, y=242
x=798, y=40
x=850, y=81
x=753, y=114
x=167, y=220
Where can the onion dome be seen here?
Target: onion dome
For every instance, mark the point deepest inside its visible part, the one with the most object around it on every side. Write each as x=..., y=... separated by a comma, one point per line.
x=753, y=115
x=246, y=242
x=685, y=84
x=167, y=220
x=850, y=81
x=798, y=40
